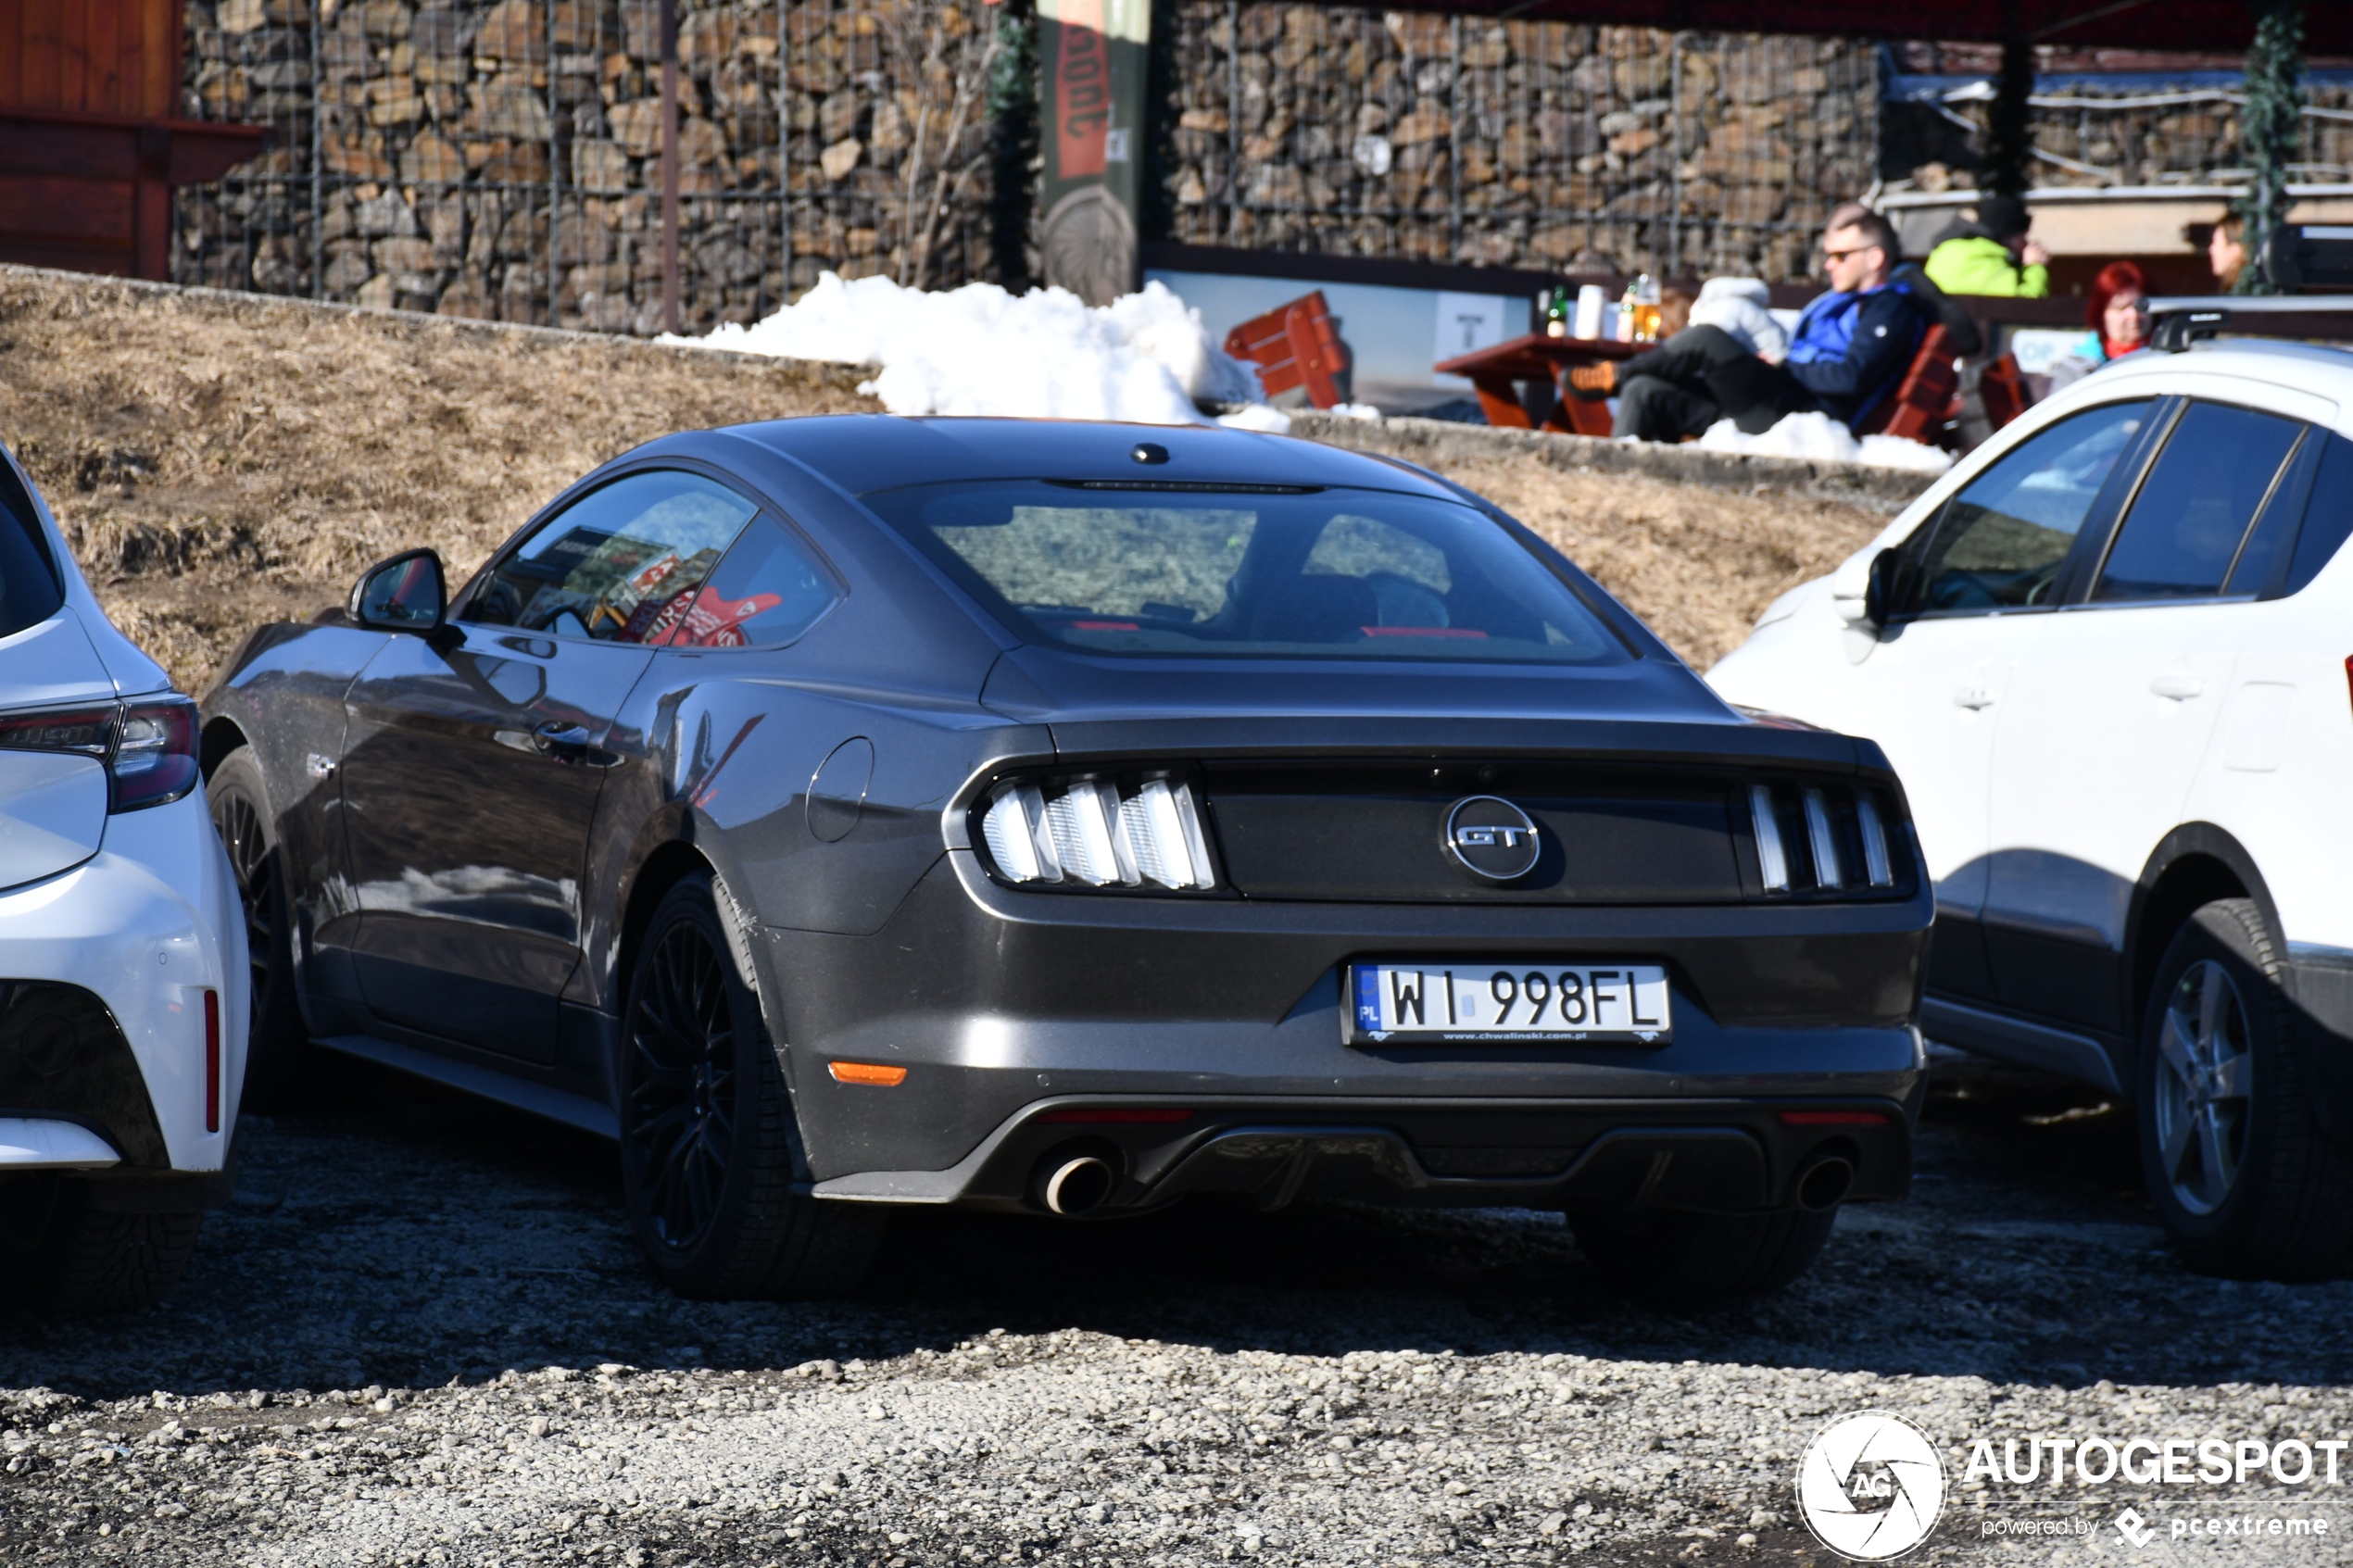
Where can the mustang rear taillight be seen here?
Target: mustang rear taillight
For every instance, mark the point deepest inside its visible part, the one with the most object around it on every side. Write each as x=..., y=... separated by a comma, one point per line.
x=1812, y=839
x=149, y=748
x=1098, y=832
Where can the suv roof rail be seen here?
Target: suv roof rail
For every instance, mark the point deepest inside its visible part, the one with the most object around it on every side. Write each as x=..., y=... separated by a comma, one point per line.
x=2178, y=321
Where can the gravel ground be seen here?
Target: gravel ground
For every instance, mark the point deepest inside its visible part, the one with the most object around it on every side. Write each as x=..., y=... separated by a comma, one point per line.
x=421, y=1335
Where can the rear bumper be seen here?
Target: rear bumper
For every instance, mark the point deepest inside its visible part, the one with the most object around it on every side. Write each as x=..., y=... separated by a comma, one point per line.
x=994, y=1001
x=1712, y=1156
x=144, y=927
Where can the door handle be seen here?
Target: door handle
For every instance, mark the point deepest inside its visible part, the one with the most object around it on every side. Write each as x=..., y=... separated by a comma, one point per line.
x=562, y=739
x=1973, y=697
x=2181, y=688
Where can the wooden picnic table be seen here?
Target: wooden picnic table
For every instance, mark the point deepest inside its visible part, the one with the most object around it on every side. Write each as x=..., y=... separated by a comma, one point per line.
x=1498, y=372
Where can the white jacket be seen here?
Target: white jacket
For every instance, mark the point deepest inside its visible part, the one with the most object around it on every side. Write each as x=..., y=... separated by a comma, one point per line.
x=1737, y=306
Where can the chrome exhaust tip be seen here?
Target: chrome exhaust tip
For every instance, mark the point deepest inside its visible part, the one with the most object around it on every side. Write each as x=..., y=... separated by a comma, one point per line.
x=1077, y=1186
x=1825, y=1182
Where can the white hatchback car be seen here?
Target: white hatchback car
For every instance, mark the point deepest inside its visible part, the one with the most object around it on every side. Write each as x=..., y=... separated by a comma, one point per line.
x=2108, y=654
x=123, y=973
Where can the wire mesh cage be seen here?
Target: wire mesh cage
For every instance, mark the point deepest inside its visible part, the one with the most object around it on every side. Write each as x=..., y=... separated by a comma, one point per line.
x=501, y=158
x=1536, y=144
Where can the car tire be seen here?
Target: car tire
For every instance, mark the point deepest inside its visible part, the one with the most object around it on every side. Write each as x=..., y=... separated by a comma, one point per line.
x=2242, y=1174
x=69, y=1256
x=709, y=1153
x=277, y=1037
x=1669, y=1256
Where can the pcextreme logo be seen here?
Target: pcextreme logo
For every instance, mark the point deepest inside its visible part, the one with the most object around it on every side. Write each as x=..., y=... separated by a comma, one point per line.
x=1870, y=1487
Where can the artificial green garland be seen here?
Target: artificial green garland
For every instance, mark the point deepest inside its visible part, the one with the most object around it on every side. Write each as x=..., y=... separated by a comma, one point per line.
x=2270, y=128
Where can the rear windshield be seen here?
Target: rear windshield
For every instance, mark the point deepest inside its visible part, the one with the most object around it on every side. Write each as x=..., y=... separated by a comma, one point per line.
x=29, y=589
x=1325, y=574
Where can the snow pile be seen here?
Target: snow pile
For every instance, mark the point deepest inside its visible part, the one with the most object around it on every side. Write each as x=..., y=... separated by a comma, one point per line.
x=1819, y=436
x=980, y=350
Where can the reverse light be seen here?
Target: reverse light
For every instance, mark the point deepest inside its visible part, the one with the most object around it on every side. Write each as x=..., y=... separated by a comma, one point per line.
x=1098, y=832
x=149, y=747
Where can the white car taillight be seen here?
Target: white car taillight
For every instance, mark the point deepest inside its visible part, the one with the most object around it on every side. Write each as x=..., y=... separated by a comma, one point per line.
x=1092, y=831
x=149, y=747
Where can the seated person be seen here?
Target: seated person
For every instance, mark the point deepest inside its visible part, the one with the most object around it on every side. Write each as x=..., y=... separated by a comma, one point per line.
x=1851, y=346
x=2117, y=309
x=1743, y=306
x=1992, y=255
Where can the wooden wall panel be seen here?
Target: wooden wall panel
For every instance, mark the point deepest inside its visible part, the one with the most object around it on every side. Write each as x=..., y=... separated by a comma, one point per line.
x=90, y=56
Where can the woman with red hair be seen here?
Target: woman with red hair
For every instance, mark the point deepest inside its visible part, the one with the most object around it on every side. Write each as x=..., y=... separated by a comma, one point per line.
x=2117, y=309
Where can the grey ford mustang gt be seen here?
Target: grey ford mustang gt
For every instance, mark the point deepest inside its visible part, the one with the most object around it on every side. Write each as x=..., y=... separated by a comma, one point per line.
x=850, y=812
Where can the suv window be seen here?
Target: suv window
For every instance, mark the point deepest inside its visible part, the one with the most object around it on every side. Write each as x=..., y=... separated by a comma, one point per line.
x=622, y=564
x=29, y=592
x=2328, y=517
x=2000, y=542
x=2200, y=497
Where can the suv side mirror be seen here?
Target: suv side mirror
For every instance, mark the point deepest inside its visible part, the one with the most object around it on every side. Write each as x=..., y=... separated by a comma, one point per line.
x=404, y=594
x=1879, y=591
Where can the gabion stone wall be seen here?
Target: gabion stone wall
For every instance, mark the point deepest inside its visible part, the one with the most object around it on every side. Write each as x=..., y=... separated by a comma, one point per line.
x=500, y=158
x=1536, y=144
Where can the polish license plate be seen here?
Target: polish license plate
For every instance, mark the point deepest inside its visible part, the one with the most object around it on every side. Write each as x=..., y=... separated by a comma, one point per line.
x=1445, y=1000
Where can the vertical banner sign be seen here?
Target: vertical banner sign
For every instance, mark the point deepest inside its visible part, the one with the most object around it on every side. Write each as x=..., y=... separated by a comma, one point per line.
x=1095, y=56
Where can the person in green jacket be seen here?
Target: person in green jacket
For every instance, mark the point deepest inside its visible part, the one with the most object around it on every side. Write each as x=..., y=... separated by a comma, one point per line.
x=1992, y=255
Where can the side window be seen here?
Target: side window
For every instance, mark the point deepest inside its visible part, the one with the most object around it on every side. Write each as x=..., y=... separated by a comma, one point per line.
x=2328, y=517
x=2184, y=531
x=767, y=591
x=2000, y=543
x=29, y=592
x=622, y=564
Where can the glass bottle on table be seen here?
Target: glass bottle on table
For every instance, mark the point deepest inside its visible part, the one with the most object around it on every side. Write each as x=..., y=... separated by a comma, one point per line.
x=1556, y=312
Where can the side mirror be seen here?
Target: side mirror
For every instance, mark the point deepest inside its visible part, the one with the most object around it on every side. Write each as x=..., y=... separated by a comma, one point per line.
x=1879, y=592
x=404, y=594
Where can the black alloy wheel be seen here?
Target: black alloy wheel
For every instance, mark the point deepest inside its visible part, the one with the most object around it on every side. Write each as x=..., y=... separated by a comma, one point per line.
x=709, y=1155
x=682, y=1101
x=277, y=1034
x=2240, y=1169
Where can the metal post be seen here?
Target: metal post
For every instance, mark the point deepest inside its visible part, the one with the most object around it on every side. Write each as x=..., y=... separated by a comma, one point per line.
x=670, y=166
x=1233, y=118
x=1454, y=151
x=1675, y=154
x=554, y=140
x=318, y=164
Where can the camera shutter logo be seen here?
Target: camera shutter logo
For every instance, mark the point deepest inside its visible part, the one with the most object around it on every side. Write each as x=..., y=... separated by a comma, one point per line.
x=1870, y=1487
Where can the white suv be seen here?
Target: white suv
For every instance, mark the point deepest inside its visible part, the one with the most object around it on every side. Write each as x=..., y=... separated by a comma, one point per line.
x=2108, y=654
x=123, y=974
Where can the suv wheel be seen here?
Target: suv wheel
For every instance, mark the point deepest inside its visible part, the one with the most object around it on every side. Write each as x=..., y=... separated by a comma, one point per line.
x=707, y=1146
x=2242, y=1175
x=278, y=1034
x=66, y=1255
x=1669, y=1256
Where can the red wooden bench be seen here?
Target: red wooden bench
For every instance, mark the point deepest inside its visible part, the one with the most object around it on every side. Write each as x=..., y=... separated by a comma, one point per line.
x=1294, y=344
x=1923, y=401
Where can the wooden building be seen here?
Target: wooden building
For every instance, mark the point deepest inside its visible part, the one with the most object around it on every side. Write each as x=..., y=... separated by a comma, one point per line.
x=91, y=136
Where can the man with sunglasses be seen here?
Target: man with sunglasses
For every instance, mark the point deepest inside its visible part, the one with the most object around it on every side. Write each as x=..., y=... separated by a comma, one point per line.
x=1851, y=346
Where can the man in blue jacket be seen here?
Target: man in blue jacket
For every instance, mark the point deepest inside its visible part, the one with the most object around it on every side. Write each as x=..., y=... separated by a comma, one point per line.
x=1851, y=347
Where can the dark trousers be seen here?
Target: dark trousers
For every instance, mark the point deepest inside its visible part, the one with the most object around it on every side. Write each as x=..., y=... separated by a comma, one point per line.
x=1701, y=375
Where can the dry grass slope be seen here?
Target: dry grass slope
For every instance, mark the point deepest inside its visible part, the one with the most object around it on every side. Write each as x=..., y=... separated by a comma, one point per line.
x=219, y=460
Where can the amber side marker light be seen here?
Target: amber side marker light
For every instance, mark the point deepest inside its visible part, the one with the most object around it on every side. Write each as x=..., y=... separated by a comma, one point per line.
x=867, y=1073
x=1833, y=1119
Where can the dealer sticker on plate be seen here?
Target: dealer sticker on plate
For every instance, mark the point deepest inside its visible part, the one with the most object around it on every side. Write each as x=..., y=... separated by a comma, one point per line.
x=1447, y=999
